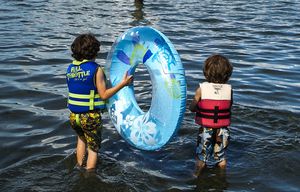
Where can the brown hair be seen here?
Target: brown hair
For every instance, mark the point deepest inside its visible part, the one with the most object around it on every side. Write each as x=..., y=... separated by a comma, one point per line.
x=217, y=69
x=85, y=46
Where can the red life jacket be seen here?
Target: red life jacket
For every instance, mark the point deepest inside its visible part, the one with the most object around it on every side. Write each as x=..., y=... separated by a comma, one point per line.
x=214, y=106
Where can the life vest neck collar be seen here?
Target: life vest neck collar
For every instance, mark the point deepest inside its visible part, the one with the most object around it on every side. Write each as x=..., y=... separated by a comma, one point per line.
x=75, y=62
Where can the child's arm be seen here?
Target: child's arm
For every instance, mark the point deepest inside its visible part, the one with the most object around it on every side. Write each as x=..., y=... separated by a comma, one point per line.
x=193, y=105
x=101, y=85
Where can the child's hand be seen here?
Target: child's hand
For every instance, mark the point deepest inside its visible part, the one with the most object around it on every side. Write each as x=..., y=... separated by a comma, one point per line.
x=127, y=79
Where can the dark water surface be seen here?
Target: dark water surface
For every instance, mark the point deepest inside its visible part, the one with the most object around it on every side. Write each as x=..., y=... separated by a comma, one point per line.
x=262, y=39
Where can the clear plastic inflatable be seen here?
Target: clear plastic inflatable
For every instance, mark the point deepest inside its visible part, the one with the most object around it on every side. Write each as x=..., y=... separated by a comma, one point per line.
x=152, y=129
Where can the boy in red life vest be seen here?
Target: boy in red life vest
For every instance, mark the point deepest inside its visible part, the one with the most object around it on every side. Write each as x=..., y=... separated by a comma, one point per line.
x=212, y=104
x=86, y=98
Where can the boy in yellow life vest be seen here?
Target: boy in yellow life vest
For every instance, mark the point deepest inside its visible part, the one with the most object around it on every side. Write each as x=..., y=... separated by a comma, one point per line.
x=86, y=97
x=212, y=105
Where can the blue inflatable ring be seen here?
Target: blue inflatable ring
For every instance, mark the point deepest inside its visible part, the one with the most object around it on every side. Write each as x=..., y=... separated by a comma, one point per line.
x=152, y=129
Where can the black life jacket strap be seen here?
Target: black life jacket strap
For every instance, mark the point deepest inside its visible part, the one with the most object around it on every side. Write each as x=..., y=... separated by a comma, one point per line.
x=215, y=118
x=215, y=112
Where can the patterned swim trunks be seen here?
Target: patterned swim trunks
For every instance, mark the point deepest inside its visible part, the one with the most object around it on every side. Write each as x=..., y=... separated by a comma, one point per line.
x=88, y=127
x=212, y=142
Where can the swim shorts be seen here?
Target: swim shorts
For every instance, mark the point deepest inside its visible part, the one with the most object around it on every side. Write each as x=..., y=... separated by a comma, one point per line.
x=212, y=142
x=88, y=127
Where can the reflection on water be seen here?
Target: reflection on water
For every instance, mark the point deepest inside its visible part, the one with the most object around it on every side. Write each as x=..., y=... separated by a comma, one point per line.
x=139, y=16
x=37, y=144
x=212, y=179
x=138, y=13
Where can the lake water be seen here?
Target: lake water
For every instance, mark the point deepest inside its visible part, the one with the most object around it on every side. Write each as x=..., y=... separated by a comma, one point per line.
x=262, y=40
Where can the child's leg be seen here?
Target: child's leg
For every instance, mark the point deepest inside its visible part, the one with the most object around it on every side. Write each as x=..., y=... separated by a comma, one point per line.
x=222, y=164
x=92, y=160
x=222, y=139
x=80, y=151
x=204, y=148
x=200, y=165
x=92, y=127
x=81, y=143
